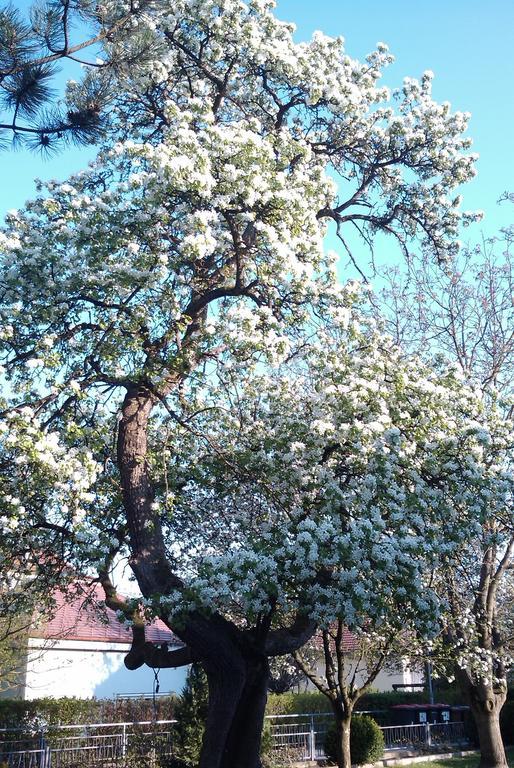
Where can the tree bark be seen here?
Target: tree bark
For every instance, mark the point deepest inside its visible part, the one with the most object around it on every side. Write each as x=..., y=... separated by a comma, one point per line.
x=237, y=675
x=485, y=703
x=226, y=684
x=486, y=713
x=237, y=679
x=343, y=726
x=244, y=740
x=148, y=553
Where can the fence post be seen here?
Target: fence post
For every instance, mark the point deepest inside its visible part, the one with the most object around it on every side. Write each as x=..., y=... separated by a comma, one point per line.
x=428, y=735
x=124, y=741
x=312, y=740
x=46, y=756
x=43, y=749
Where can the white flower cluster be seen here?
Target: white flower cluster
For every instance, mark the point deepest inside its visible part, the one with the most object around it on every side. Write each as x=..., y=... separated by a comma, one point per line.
x=43, y=483
x=351, y=482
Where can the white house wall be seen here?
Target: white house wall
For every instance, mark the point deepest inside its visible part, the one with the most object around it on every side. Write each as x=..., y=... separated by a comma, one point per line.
x=81, y=669
x=402, y=674
x=84, y=670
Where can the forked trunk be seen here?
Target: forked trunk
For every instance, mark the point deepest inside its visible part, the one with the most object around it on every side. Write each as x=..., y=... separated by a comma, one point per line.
x=225, y=689
x=237, y=676
x=487, y=719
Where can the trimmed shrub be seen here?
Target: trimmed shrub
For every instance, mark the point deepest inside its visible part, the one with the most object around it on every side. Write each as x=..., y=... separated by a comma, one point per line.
x=366, y=741
x=191, y=712
x=39, y=713
x=299, y=703
x=296, y=703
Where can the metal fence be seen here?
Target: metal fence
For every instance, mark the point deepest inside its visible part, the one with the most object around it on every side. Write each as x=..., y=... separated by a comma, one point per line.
x=148, y=744
x=97, y=744
x=426, y=735
x=302, y=737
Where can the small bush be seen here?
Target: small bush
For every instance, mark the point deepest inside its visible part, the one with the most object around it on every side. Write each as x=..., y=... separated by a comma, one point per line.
x=366, y=741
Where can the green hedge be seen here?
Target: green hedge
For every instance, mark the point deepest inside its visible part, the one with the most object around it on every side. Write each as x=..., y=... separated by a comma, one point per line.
x=300, y=703
x=296, y=703
x=37, y=713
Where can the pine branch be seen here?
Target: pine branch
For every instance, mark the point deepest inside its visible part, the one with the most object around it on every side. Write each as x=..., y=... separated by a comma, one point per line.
x=29, y=54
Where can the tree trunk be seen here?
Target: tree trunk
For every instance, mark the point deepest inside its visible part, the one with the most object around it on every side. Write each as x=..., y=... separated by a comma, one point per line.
x=237, y=700
x=225, y=688
x=237, y=675
x=343, y=719
x=485, y=704
x=486, y=713
x=244, y=740
x=148, y=553
x=343, y=755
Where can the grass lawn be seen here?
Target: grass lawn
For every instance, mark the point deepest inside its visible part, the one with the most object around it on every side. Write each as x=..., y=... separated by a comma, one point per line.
x=459, y=762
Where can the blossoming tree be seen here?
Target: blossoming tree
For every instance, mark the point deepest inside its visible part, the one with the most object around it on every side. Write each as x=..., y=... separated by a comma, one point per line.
x=193, y=248
x=466, y=315
x=341, y=489
x=344, y=666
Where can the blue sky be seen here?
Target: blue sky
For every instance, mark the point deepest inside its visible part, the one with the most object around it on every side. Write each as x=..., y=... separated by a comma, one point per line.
x=468, y=44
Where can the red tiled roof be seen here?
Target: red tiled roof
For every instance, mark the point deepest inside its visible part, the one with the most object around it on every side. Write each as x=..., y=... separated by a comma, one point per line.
x=81, y=618
x=350, y=641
